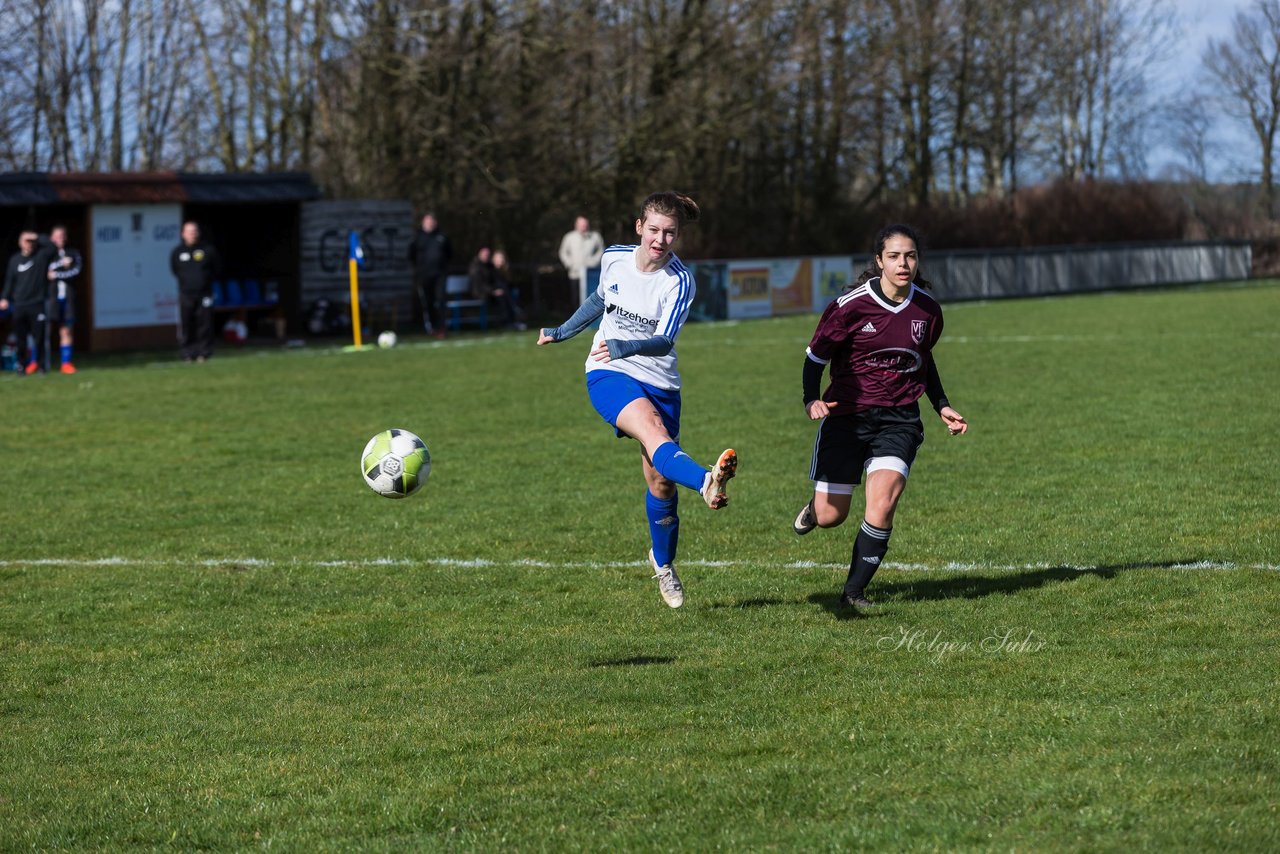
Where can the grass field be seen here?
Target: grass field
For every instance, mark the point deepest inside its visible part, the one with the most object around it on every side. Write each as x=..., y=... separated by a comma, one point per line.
x=213, y=635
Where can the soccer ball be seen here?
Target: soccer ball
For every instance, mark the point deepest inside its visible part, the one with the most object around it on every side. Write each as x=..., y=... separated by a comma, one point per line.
x=395, y=463
x=387, y=340
x=235, y=332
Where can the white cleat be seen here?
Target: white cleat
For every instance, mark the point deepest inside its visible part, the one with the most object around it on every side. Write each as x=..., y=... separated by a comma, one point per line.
x=723, y=471
x=668, y=582
x=806, y=520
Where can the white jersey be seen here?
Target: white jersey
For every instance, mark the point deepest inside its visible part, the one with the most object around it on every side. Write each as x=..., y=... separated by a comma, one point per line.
x=641, y=305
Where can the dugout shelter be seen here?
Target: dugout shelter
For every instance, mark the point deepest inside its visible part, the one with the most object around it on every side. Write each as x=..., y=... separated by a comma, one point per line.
x=125, y=226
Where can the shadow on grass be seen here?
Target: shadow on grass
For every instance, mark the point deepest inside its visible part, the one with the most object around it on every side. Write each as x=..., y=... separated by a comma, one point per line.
x=830, y=603
x=633, y=661
x=976, y=586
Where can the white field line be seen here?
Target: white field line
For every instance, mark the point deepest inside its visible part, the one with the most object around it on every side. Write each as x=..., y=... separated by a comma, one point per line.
x=482, y=563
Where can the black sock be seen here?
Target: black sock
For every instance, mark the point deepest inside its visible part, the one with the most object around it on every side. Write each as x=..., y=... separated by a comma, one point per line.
x=868, y=550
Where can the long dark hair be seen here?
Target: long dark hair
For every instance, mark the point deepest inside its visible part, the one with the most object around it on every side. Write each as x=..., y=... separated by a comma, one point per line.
x=897, y=229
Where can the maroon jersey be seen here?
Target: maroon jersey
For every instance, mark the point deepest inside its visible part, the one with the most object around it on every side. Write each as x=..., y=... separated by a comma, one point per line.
x=879, y=352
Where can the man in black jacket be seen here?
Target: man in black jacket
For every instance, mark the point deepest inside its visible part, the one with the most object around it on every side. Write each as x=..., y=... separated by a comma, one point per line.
x=195, y=264
x=430, y=253
x=26, y=289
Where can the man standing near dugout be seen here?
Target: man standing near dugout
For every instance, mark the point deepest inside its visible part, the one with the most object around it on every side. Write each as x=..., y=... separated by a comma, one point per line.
x=430, y=254
x=26, y=289
x=63, y=271
x=195, y=264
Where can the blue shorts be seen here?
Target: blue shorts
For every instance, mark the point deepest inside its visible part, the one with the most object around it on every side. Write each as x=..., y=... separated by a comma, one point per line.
x=611, y=391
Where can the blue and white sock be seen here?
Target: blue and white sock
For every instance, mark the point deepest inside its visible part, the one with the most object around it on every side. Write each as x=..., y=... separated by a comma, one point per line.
x=674, y=464
x=664, y=526
x=65, y=351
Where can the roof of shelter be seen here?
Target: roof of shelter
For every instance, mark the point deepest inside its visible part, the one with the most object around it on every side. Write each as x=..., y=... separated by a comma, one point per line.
x=49, y=188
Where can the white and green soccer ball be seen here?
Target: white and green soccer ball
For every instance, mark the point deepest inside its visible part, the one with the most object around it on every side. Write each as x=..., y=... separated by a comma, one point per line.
x=395, y=463
x=387, y=340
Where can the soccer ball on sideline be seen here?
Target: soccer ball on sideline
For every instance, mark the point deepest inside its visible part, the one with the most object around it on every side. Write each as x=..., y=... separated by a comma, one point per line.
x=395, y=463
x=387, y=340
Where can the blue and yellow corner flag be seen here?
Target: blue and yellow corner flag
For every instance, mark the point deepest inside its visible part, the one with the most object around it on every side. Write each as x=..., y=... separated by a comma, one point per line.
x=354, y=250
x=355, y=260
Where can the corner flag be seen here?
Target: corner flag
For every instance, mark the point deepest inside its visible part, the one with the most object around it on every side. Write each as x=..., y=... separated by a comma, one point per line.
x=355, y=259
x=355, y=251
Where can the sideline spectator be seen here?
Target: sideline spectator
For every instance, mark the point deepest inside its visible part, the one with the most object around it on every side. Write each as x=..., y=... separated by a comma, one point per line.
x=503, y=298
x=480, y=275
x=580, y=250
x=62, y=301
x=430, y=254
x=195, y=264
x=26, y=289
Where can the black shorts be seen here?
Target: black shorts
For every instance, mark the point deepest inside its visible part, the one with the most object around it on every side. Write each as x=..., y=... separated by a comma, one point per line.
x=846, y=444
x=62, y=310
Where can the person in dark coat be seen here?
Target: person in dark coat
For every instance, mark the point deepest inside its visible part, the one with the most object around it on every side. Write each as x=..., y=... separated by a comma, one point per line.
x=196, y=264
x=430, y=254
x=26, y=290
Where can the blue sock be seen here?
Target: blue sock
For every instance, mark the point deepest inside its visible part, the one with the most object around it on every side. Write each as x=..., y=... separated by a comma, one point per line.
x=674, y=464
x=664, y=526
x=65, y=350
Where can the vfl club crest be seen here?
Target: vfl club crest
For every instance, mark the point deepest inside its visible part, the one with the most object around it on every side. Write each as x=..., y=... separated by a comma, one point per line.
x=917, y=330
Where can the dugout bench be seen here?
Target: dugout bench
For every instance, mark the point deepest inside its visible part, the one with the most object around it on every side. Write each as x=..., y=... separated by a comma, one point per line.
x=461, y=307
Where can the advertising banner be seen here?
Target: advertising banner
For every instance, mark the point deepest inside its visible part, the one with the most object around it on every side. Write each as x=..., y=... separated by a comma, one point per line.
x=831, y=275
x=790, y=286
x=132, y=282
x=749, y=294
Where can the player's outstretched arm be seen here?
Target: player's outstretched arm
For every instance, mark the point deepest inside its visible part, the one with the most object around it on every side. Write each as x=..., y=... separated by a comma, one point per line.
x=954, y=420
x=586, y=314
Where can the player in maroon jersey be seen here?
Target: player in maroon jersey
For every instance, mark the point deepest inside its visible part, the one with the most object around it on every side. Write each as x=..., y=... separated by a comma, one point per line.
x=878, y=338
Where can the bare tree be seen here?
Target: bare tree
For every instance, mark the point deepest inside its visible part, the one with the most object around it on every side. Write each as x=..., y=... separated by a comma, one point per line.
x=1246, y=68
x=1097, y=107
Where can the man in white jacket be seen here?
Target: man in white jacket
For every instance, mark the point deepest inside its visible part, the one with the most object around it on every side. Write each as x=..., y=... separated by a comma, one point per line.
x=580, y=250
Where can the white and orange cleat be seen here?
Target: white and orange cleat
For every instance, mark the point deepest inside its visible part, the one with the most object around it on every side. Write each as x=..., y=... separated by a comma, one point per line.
x=720, y=475
x=668, y=582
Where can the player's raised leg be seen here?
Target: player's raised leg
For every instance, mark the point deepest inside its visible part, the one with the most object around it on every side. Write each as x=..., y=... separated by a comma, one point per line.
x=640, y=420
x=828, y=508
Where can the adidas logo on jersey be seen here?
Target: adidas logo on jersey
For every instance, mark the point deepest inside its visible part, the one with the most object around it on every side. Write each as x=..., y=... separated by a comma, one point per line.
x=613, y=288
x=869, y=328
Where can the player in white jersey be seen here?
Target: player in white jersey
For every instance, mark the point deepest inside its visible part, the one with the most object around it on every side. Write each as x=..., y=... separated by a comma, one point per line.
x=642, y=302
